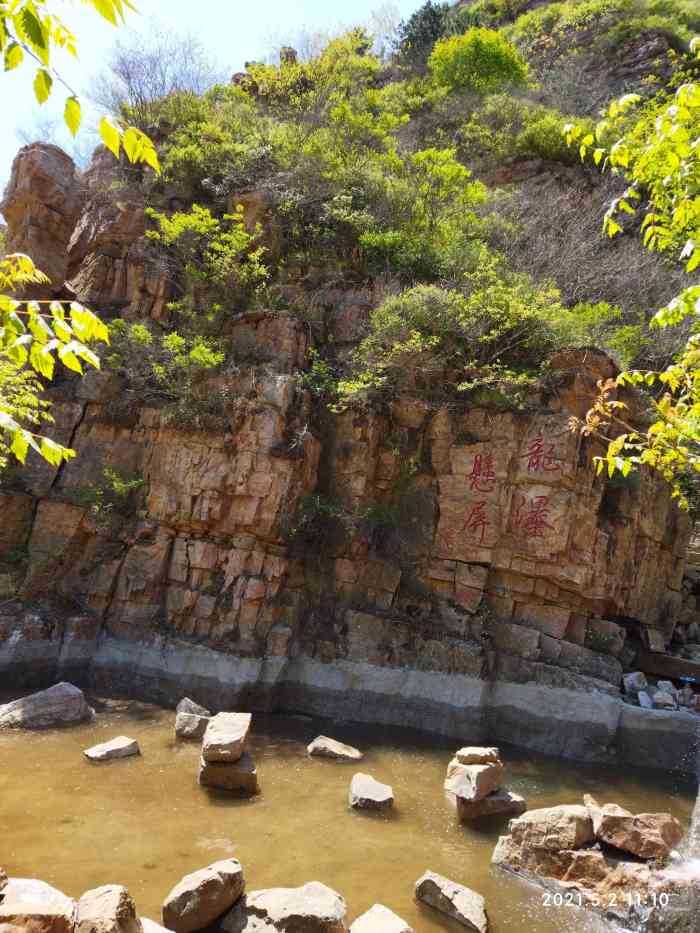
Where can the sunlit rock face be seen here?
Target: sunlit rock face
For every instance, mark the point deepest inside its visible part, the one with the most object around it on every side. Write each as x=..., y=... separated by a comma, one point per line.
x=449, y=520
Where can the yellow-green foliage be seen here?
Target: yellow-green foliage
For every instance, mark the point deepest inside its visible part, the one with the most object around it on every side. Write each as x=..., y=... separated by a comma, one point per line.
x=481, y=60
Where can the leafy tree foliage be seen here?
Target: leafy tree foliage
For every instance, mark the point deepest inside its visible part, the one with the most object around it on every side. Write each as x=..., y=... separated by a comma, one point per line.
x=417, y=35
x=481, y=60
x=33, y=335
x=657, y=147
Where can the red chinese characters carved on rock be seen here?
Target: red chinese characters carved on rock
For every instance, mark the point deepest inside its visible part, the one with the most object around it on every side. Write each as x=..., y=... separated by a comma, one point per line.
x=541, y=456
x=531, y=516
x=482, y=477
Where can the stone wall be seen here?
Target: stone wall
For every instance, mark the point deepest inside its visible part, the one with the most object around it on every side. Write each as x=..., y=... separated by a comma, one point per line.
x=449, y=521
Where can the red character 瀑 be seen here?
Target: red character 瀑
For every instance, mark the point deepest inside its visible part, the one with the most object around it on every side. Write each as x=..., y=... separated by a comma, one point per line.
x=532, y=515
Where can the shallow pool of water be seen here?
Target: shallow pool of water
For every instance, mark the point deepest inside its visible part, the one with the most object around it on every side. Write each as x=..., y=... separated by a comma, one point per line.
x=144, y=822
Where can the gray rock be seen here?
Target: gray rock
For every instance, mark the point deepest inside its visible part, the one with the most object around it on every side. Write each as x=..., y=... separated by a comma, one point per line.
x=662, y=700
x=667, y=687
x=379, y=919
x=324, y=747
x=311, y=908
x=454, y=900
x=645, y=700
x=190, y=725
x=634, y=682
x=226, y=737
x=189, y=706
x=107, y=909
x=203, y=896
x=35, y=907
x=60, y=705
x=553, y=828
x=368, y=794
x=237, y=777
x=121, y=747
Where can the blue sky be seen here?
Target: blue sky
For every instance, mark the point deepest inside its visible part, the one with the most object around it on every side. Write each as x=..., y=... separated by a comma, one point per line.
x=234, y=32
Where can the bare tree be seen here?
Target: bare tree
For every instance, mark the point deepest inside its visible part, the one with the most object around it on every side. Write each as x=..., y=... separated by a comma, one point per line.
x=144, y=69
x=47, y=127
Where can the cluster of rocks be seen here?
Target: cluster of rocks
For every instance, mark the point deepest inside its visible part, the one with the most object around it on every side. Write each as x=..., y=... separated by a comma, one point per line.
x=662, y=695
x=608, y=856
x=475, y=777
x=225, y=764
x=215, y=899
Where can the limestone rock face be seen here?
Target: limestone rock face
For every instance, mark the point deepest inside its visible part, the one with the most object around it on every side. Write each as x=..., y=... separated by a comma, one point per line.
x=121, y=747
x=238, y=777
x=379, y=919
x=368, y=794
x=203, y=896
x=108, y=909
x=225, y=737
x=323, y=747
x=41, y=205
x=311, y=908
x=60, y=705
x=36, y=907
x=455, y=900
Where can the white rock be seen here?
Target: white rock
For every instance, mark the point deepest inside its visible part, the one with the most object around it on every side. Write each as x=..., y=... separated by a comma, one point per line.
x=107, y=909
x=325, y=747
x=121, y=747
x=312, y=908
x=368, y=794
x=30, y=906
x=474, y=782
x=455, y=900
x=663, y=700
x=190, y=725
x=379, y=919
x=478, y=755
x=226, y=737
x=189, y=706
x=150, y=926
x=645, y=700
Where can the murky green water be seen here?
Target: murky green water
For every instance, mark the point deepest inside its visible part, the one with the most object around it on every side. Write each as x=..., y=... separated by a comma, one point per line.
x=144, y=822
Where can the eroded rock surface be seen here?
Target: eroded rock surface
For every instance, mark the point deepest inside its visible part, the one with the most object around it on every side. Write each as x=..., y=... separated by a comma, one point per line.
x=120, y=747
x=454, y=900
x=324, y=747
x=225, y=737
x=35, y=906
x=203, y=896
x=107, y=909
x=60, y=705
x=311, y=908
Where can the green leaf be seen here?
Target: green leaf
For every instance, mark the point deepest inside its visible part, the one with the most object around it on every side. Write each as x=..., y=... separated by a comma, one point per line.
x=20, y=446
x=72, y=114
x=14, y=56
x=111, y=135
x=42, y=85
x=35, y=33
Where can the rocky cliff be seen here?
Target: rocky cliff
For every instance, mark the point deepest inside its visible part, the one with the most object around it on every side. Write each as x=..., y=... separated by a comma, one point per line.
x=454, y=565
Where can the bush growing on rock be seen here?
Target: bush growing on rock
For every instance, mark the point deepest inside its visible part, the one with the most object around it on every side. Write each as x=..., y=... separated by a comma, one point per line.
x=481, y=60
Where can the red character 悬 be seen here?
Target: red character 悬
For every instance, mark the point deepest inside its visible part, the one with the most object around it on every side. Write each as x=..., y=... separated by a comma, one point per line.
x=482, y=477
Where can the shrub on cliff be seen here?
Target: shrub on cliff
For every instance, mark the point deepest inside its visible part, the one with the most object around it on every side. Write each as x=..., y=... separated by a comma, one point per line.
x=481, y=60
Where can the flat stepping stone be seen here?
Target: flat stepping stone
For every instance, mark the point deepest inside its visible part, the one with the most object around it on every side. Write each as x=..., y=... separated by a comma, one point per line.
x=368, y=794
x=501, y=802
x=121, y=747
x=325, y=747
x=379, y=919
x=478, y=755
x=237, y=777
x=226, y=737
x=454, y=900
x=473, y=782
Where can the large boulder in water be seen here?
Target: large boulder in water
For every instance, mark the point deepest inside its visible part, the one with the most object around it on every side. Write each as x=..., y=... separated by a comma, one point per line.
x=454, y=900
x=191, y=720
x=312, y=908
x=60, y=705
x=226, y=737
x=107, y=909
x=203, y=896
x=379, y=919
x=35, y=907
